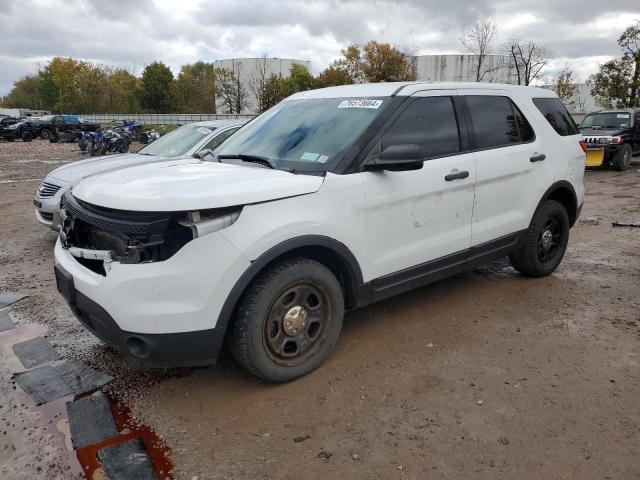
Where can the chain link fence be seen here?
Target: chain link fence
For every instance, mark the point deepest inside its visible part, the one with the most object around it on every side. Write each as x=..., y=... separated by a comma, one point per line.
x=162, y=118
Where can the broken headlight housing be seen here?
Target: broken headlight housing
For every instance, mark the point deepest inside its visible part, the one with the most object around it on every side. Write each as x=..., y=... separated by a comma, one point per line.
x=97, y=235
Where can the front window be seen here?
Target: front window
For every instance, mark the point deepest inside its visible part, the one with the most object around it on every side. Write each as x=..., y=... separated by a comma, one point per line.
x=177, y=142
x=613, y=120
x=307, y=135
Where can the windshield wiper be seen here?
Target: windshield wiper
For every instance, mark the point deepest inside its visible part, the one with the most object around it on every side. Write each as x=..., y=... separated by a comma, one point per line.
x=253, y=159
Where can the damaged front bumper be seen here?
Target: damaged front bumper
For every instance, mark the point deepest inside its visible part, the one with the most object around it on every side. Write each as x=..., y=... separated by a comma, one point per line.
x=156, y=302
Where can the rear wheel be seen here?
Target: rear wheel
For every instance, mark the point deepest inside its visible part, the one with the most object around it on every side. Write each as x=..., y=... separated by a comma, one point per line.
x=27, y=137
x=545, y=243
x=288, y=320
x=53, y=137
x=623, y=158
x=44, y=133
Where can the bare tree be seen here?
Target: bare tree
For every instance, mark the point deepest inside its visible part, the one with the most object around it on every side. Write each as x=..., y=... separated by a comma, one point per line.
x=477, y=41
x=260, y=81
x=528, y=59
x=231, y=90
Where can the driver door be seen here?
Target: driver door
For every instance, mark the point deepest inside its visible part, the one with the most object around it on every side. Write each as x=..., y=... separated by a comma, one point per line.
x=414, y=219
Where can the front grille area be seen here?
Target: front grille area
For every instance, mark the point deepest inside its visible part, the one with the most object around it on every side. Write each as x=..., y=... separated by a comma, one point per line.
x=131, y=237
x=46, y=189
x=597, y=141
x=46, y=215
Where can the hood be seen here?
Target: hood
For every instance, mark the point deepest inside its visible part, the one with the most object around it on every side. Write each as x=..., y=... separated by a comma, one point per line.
x=76, y=171
x=191, y=185
x=601, y=132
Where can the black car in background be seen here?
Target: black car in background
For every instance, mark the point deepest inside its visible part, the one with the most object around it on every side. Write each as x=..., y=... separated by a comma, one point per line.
x=13, y=127
x=58, y=124
x=612, y=136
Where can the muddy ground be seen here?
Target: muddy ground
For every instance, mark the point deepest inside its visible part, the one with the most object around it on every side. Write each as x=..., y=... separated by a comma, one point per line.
x=485, y=375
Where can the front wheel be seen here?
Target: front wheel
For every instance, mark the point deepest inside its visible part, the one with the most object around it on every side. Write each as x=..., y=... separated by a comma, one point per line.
x=288, y=320
x=623, y=158
x=44, y=133
x=27, y=137
x=545, y=243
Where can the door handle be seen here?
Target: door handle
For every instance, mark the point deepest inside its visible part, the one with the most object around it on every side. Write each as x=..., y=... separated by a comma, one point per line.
x=537, y=157
x=456, y=176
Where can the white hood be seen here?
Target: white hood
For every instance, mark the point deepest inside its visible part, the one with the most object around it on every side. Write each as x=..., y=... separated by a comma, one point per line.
x=191, y=185
x=73, y=172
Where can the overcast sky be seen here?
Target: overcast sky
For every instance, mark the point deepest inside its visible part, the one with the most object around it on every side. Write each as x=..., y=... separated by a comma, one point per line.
x=132, y=33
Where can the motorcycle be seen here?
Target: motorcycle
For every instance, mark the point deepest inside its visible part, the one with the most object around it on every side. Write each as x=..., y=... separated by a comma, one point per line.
x=90, y=142
x=114, y=141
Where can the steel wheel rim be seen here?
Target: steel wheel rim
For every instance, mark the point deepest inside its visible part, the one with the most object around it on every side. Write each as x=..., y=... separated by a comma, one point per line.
x=549, y=240
x=627, y=158
x=296, y=323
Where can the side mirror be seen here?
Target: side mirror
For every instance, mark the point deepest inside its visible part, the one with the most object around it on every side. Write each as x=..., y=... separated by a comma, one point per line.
x=205, y=154
x=398, y=158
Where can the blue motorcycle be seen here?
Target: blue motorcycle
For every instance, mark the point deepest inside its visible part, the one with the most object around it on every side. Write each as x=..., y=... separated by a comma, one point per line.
x=91, y=143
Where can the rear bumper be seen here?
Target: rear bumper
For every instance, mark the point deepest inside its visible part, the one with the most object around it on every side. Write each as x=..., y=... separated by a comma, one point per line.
x=163, y=350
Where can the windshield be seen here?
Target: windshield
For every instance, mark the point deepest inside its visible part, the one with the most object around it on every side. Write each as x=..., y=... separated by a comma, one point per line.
x=46, y=118
x=307, y=135
x=607, y=120
x=177, y=142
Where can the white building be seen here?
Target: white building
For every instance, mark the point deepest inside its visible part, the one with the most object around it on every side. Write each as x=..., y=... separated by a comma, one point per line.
x=462, y=68
x=248, y=68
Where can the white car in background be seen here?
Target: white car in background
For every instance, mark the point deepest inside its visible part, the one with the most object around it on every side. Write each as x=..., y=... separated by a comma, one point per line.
x=187, y=141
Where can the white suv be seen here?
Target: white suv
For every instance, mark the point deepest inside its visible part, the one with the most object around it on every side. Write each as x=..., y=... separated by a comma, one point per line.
x=333, y=199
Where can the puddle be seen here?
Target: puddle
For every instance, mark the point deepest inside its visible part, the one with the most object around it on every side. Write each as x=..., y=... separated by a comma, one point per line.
x=157, y=450
x=83, y=461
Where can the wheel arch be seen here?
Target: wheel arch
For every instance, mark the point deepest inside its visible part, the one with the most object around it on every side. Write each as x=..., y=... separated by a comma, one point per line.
x=564, y=193
x=328, y=251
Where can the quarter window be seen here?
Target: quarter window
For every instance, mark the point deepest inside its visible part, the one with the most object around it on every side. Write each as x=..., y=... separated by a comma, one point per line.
x=495, y=121
x=429, y=122
x=557, y=116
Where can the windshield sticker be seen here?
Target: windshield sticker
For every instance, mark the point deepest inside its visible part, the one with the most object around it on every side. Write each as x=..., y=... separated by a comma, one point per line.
x=361, y=103
x=308, y=156
x=204, y=131
x=622, y=115
x=323, y=158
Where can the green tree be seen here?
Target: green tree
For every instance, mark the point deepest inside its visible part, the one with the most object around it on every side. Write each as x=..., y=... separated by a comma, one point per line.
x=92, y=83
x=333, y=76
x=157, y=88
x=64, y=76
x=196, y=88
x=47, y=91
x=121, y=94
x=617, y=83
x=299, y=80
x=25, y=93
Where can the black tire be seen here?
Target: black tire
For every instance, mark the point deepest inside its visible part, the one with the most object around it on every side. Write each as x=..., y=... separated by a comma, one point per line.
x=82, y=144
x=27, y=137
x=265, y=328
x=10, y=139
x=623, y=158
x=44, y=133
x=53, y=137
x=143, y=138
x=93, y=148
x=124, y=147
x=545, y=243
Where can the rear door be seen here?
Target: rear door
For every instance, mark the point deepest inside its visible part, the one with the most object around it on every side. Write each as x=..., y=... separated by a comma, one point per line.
x=512, y=165
x=413, y=217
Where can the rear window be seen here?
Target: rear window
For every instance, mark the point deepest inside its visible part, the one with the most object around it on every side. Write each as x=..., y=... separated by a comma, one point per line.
x=497, y=122
x=557, y=116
